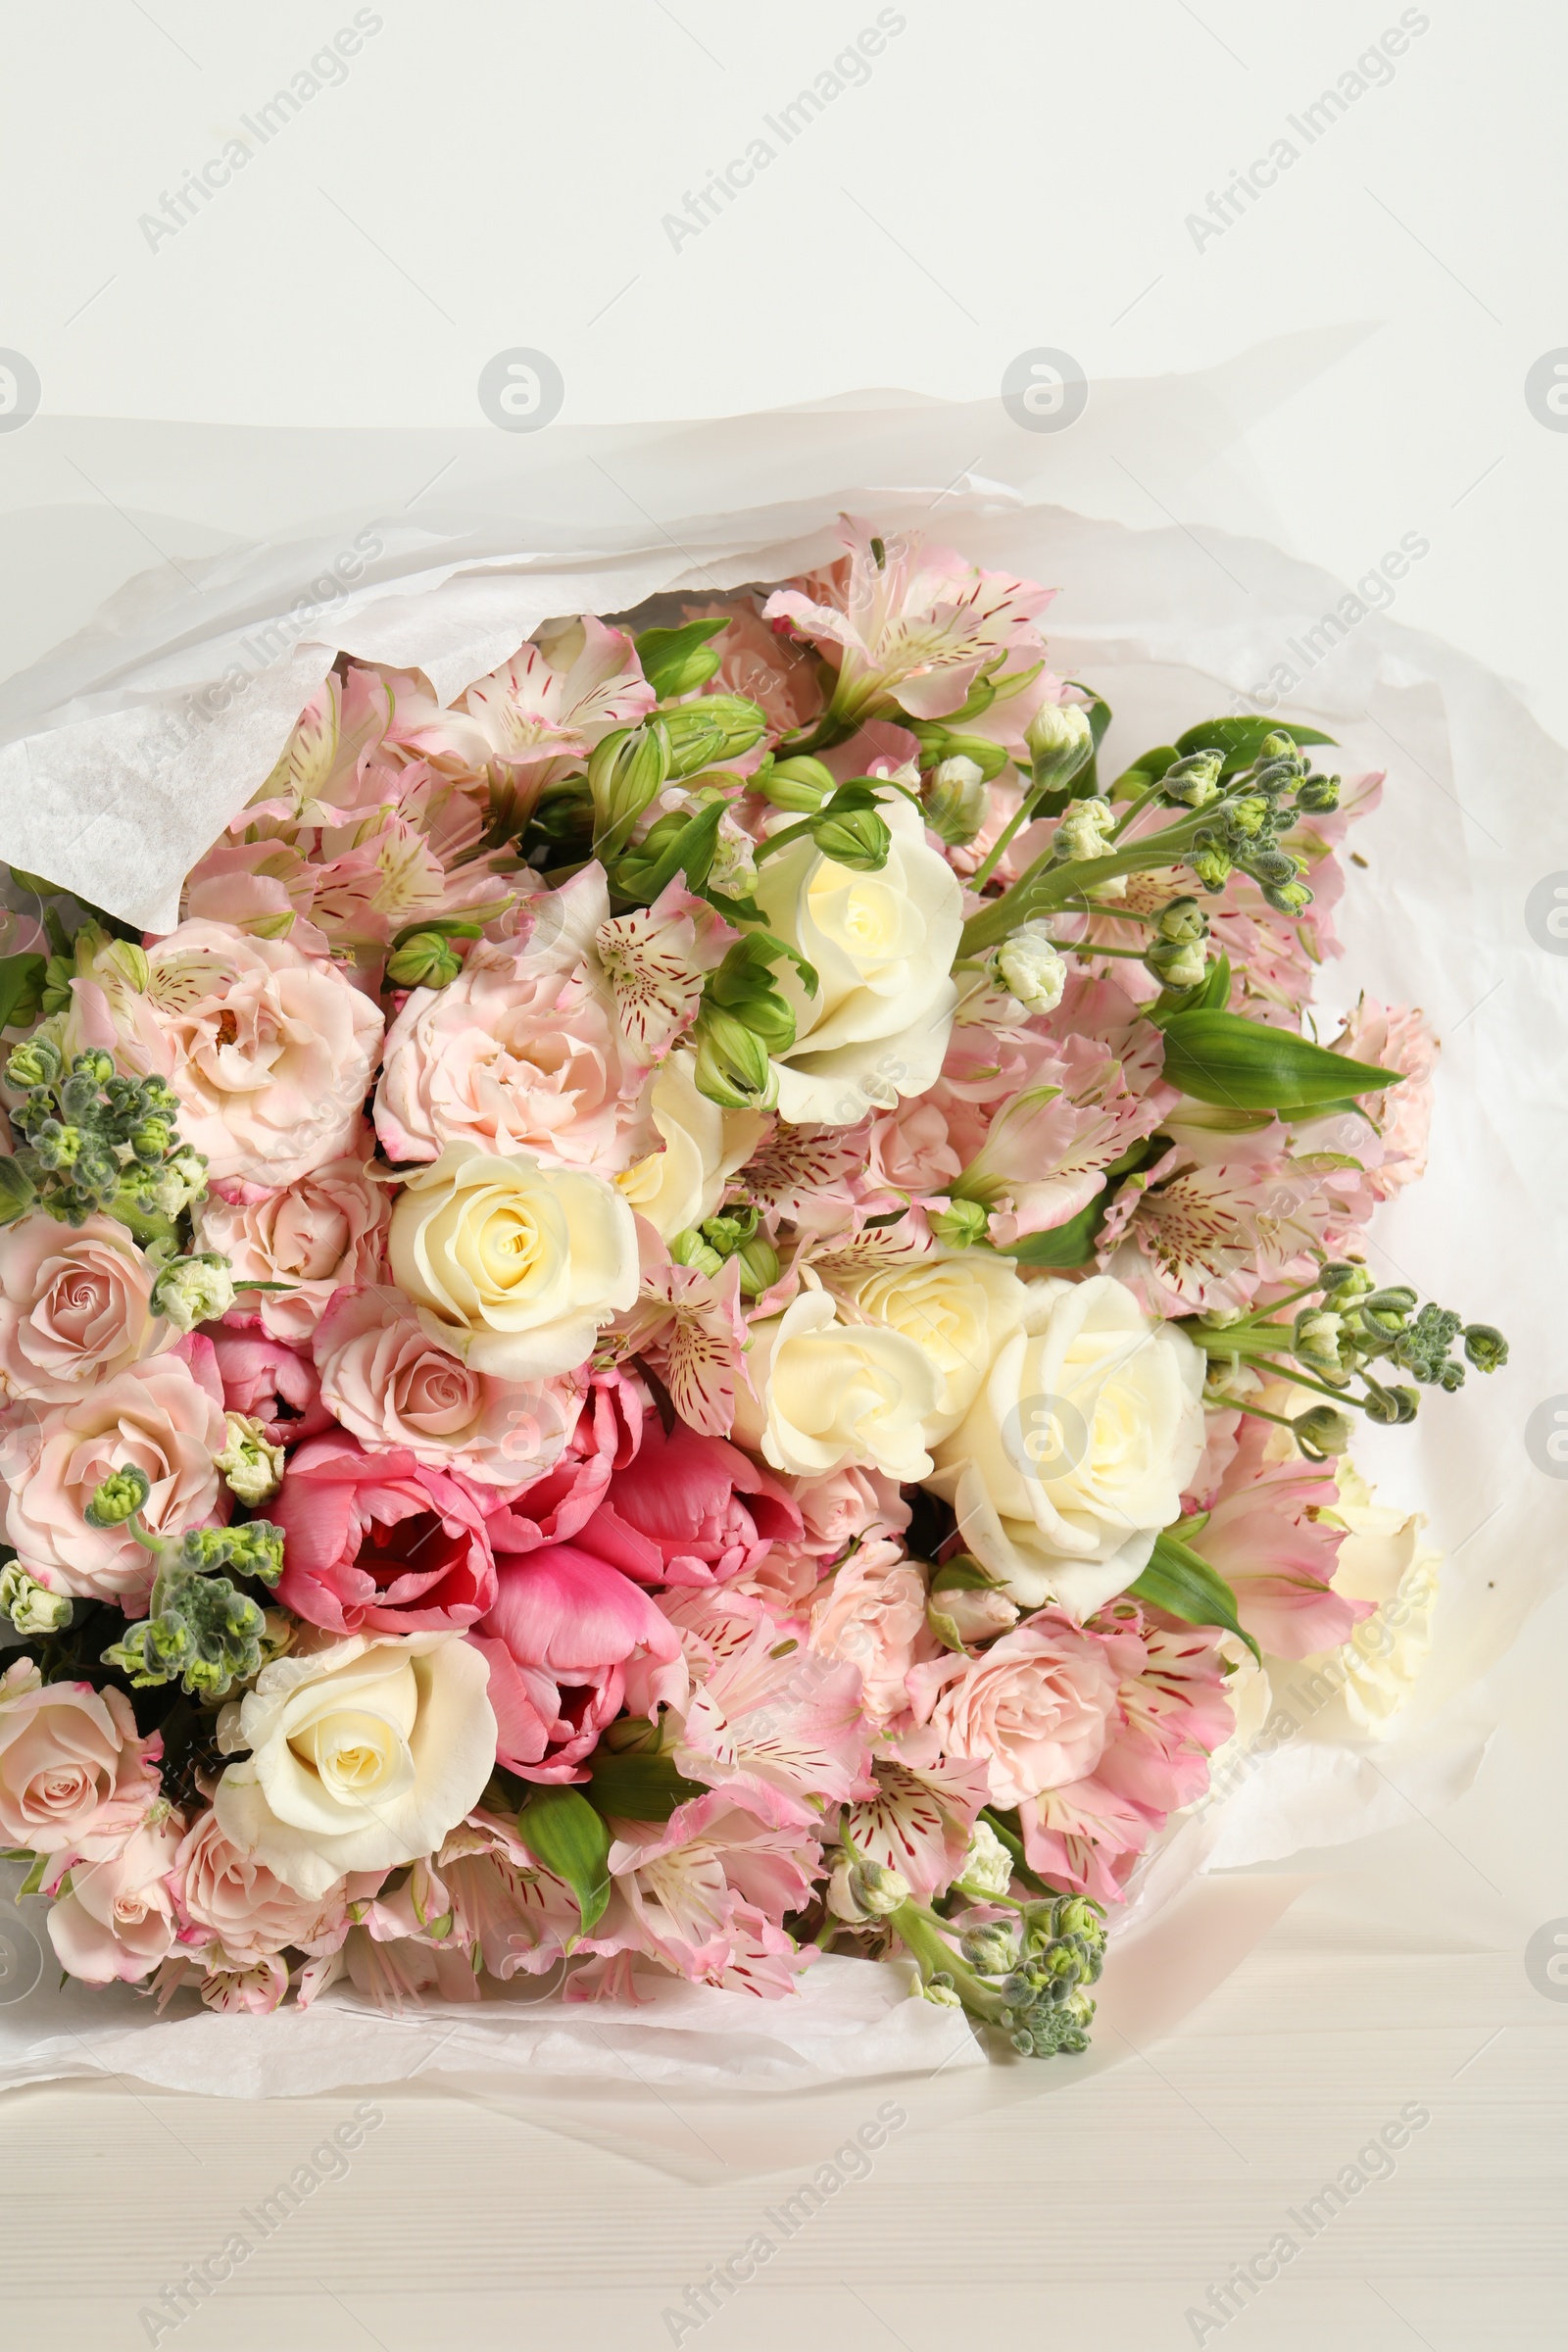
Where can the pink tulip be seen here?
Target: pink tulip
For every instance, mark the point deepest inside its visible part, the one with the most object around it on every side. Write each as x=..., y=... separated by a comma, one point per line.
x=376, y=1543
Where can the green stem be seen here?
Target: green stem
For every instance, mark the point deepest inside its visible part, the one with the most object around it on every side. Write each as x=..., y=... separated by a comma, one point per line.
x=1135, y=810
x=1074, y=947
x=1043, y=889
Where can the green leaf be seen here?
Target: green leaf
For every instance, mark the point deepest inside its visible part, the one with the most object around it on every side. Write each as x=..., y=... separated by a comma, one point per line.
x=1240, y=739
x=18, y=1192
x=1070, y=1245
x=1145, y=769
x=21, y=988
x=672, y=660
x=1185, y=1586
x=1249, y=1065
x=637, y=1786
x=562, y=1829
x=690, y=852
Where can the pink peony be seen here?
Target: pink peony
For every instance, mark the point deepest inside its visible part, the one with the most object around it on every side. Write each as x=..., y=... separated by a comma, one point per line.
x=559, y=1641
x=227, y=1896
x=273, y=1382
x=390, y=1385
x=165, y=1417
x=75, y=1306
x=712, y=1513
x=326, y=1231
x=271, y=1051
x=116, y=1919
x=872, y=1615
x=378, y=1544
x=760, y=663
x=522, y=1052
x=1036, y=1707
x=71, y=1762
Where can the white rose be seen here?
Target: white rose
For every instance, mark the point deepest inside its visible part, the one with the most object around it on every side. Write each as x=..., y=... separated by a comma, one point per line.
x=957, y=1307
x=512, y=1265
x=834, y=1394
x=1078, y=1448
x=362, y=1755
x=882, y=946
x=1030, y=967
x=703, y=1147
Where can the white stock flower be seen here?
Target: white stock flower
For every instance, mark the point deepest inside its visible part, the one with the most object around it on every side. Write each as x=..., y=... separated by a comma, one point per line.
x=1076, y=1451
x=1030, y=967
x=882, y=944
x=987, y=1865
x=832, y=1393
x=512, y=1265
x=362, y=1755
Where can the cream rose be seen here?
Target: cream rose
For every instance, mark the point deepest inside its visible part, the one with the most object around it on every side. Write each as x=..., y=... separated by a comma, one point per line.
x=362, y=1755
x=271, y=1051
x=703, y=1147
x=958, y=1305
x=512, y=1265
x=882, y=946
x=1077, y=1449
x=76, y=1306
x=830, y=1394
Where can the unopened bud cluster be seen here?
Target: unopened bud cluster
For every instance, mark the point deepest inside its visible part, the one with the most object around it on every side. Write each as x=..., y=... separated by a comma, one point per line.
x=93, y=1139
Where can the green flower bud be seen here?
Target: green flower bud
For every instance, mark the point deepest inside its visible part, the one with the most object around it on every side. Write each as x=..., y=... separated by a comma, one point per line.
x=733, y=1069
x=1192, y=782
x=1316, y=1340
x=251, y=1468
x=1247, y=816
x=1083, y=831
x=1183, y=921
x=858, y=839
x=1322, y=1432
x=758, y=1264
x=707, y=732
x=30, y=1606
x=150, y=1140
x=689, y=1248
x=119, y=1498
x=802, y=785
x=960, y=1224
x=1343, y=1279
x=1485, y=1347
x=38, y=1063
x=863, y=1889
x=1061, y=743
x=1212, y=868
x=624, y=773
x=94, y=1065
x=956, y=801
x=1317, y=796
x=424, y=960
x=1288, y=897
x=1393, y=1408
x=1177, y=963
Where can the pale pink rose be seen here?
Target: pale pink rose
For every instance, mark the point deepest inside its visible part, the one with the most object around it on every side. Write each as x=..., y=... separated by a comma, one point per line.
x=1036, y=1707
x=522, y=1052
x=166, y=1417
x=847, y=1505
x=226, y=1895
x=271, y=1051
x=872, y=1615
x=72, y=1764
x=391, y=1385
x=75, y=1306
x=117, y=1919
x=324, y=1232
x=910, y=1154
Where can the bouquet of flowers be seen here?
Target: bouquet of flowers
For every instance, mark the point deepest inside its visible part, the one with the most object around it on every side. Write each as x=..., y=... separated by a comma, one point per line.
x=708, y=1306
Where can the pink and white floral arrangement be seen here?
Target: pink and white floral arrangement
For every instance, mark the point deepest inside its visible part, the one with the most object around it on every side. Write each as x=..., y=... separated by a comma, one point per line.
x=706, y=1308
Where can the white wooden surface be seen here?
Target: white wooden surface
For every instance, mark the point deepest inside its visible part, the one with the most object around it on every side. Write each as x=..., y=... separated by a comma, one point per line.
x=1038, y=165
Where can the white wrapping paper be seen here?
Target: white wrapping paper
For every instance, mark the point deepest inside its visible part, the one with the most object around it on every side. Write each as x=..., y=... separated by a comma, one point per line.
x=124, y=752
